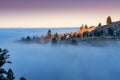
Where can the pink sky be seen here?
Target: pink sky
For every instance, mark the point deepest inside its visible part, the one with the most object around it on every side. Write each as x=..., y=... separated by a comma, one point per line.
x=57, y=13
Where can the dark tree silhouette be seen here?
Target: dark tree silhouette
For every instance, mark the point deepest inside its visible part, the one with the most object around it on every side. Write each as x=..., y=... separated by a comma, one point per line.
x=54, y=41
x=73, y=42
x=86, y=26
x=97, y=33
x=110, y=32
x=49, y=34
x=10, y=75
x=74, y=35
x=85, y=34
x=3, y=59
x=82, y=27
x=28, y=38
x=78, y=36
x=99, y=25
x=4, y=74
x=101, y=32
x=63, y=38
x=109, y=20
x=56, y=35
x=22, y=78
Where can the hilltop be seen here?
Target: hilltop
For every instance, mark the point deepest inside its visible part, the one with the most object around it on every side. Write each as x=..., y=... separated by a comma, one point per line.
x=112, y=29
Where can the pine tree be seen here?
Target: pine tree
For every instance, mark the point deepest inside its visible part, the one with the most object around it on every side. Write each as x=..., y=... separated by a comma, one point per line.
x=74, y=42
x=54, y=41
x=22, y=78
x=97, y=33
x=28, y=38
x=4, y=74
x=78, y=36
x=10, y=75
x=49, y=34
x=56, y=35
x=99, y=25
x=86, y=26
x=3, y=60
x=110, y=32
x=85, y=34
x=82, y=27
x=109, y=20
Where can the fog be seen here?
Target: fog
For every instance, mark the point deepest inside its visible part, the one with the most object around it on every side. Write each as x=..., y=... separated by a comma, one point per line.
x=47, y=62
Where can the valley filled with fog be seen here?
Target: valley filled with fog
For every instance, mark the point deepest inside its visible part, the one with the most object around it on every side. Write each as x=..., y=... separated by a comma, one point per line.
x=60, y=62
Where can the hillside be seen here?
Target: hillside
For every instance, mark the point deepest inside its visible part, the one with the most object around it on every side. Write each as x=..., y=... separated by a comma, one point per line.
x=112, y=29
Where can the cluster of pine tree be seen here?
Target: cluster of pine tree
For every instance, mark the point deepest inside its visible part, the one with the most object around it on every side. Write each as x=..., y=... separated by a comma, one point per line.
x=4, y=74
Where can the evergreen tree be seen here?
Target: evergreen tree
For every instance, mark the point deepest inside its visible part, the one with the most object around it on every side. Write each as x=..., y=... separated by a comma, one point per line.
x=109, y=20
x=86, y=26
x=3, y=59
x=22, y=78
x=82, y=27
x=56, y=35
x=10, y=75
x=49, y=34
x=99, y=25
x=74, y=35
x=28, y=38
x=85, y=34
x=101, y=32
x=97, y=33
x=5, y=75
x=54, y=41
x=78, y=36
x=74, y=42
x=110, y=32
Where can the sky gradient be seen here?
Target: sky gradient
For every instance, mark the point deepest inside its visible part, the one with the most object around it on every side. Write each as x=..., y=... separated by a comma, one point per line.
x=56, y=13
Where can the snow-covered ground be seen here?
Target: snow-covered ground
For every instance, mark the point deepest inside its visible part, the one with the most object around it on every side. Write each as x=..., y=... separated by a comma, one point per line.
x=46, y=62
